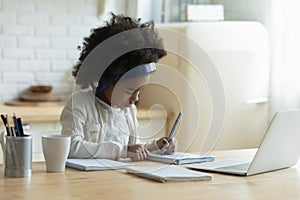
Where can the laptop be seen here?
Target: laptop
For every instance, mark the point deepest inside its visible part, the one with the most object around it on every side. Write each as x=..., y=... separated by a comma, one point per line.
x=280, y=148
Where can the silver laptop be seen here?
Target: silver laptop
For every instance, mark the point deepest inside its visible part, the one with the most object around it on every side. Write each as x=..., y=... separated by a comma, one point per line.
x=280, y=148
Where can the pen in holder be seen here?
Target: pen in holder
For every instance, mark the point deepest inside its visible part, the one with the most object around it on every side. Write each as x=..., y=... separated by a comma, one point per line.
x=18, y=156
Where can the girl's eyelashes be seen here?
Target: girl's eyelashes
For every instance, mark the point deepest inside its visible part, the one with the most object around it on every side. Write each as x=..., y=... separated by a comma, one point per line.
x=132, y=91
x=129, y=91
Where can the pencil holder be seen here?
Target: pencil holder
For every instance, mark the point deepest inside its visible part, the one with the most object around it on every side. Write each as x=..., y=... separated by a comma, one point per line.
x=18, y=156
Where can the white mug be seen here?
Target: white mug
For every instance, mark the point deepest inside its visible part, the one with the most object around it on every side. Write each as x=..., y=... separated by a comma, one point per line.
x=56, y=149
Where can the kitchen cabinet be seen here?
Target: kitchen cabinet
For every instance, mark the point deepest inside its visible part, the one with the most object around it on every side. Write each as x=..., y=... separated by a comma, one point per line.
x=239, y=53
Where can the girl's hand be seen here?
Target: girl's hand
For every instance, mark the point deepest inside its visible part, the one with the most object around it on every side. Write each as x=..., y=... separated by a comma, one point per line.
x=137, y=152
x=167, y=147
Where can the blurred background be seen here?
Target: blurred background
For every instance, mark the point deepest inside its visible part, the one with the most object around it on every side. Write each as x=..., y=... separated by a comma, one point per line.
x=252, y=44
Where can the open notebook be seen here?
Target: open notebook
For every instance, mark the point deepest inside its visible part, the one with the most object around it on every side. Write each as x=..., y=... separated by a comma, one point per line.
x=168, y=173
x=179, y=158
x=95, y=164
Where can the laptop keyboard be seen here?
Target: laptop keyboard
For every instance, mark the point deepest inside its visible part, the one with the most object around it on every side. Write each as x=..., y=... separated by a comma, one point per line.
x=238, y=167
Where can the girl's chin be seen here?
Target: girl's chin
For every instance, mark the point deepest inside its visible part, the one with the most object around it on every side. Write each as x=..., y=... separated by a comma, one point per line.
x=125, y=106
x=130, y=104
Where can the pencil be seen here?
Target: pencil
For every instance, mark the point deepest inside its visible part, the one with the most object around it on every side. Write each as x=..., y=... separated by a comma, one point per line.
x=8, y=131
x=16, y=125
x=5, y=123
x=20, y=126
x=169, y=138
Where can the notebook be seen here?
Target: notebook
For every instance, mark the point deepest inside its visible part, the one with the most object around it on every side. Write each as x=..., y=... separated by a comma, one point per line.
x=279, y=149
x=168, y=173
x=95, y=164
x=179, y=158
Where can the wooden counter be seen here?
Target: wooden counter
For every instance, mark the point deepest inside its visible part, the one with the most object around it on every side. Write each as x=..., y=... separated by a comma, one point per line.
x=38, y=113
x=117, y=184
x=51, y=112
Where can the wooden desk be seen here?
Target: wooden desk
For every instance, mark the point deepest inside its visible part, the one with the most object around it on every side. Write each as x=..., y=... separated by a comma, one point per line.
x=113, y=184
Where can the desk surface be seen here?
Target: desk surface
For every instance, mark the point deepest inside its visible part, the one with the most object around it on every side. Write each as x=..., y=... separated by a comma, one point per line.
x=116, y=184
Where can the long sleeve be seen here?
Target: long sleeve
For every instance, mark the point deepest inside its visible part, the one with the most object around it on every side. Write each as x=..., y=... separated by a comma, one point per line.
x=80, y=120
x=152, y=146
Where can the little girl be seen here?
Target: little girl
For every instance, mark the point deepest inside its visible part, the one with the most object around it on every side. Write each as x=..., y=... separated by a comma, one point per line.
x=101, y=119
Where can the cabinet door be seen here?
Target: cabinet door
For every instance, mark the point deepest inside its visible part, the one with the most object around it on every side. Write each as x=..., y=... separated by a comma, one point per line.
x=150, y=129
x=240, y=53
x=37, y=130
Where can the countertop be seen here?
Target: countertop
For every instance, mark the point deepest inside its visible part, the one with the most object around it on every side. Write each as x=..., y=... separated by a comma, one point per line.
x=51, y=112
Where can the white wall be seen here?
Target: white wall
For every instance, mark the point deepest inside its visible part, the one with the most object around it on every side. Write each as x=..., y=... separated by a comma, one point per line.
x=39, y=38
x=38, y=42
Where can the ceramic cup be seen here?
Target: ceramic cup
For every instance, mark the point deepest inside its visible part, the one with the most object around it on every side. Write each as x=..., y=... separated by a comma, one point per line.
x=55, y=149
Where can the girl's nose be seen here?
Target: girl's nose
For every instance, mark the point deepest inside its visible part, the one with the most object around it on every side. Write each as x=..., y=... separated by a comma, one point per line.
x=134, y=97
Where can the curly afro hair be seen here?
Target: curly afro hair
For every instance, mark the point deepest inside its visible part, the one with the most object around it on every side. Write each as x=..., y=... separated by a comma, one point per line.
x=150, y=49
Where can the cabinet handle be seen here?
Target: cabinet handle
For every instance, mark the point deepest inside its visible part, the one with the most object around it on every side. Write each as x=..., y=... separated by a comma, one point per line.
x=26, y=126
x=257, y=100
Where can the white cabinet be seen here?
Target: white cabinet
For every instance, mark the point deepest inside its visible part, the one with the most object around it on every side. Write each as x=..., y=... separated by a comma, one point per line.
x=240, y=54
x=38, y=129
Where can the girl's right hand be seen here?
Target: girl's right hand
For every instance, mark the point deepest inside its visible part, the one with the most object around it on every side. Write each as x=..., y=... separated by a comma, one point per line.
x=137, y=152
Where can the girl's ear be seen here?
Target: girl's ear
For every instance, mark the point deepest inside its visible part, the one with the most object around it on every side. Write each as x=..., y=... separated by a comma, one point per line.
x=106, y=94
